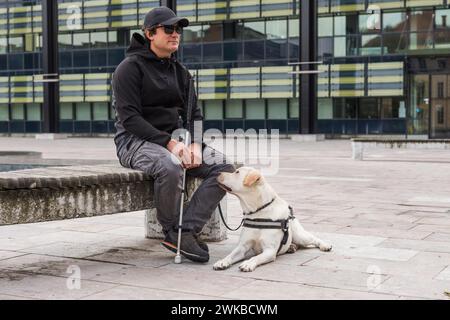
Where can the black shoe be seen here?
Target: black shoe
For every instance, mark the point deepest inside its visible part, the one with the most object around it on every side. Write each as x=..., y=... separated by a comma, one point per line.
x=201, y=243
x=189, y=249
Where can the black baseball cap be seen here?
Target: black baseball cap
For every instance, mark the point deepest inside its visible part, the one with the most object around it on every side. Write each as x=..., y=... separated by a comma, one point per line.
x=163, y=16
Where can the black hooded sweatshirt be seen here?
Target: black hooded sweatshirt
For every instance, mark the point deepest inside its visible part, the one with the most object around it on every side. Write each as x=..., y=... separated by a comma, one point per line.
x=150, y=94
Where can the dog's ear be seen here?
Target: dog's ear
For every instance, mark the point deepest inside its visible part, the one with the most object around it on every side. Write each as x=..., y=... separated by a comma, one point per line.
x=251, y=178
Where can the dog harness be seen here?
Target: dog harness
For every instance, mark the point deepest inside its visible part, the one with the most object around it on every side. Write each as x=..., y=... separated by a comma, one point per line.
x=282, y=224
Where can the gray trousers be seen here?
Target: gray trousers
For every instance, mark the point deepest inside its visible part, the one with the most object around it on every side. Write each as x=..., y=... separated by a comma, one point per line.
x=158, y=162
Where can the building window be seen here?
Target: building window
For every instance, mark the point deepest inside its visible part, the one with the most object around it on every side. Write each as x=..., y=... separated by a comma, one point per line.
x=369, y=108
x=80, y=40
x=254, y=30
x=3, y=45
x=65, y=41
x=4, y=112
x=393, y=108
x=277, y=109
x=65, y=111
x=213, y=110
x=233, y=109
x=370, y=45
x=294, y=108
x=100, y=111
x=33, y=112
x=192, y=34
x=83, y=111
x=276, y=29
x=324, y=109
x=16, y=44
x=17, y=111
x=325, y=26
x=255, y=109
x=344, y=108
x=212, y=32
x=99, y=39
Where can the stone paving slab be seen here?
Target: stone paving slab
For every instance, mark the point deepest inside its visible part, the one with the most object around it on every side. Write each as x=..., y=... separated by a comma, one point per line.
x=387, y=218
x=262, y=290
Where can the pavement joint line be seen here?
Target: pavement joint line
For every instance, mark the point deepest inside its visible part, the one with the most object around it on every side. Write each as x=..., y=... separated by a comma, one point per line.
x=154, y=288
x=94, y=293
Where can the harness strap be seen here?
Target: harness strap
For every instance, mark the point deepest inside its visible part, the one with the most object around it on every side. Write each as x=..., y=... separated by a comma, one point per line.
x=272, y=224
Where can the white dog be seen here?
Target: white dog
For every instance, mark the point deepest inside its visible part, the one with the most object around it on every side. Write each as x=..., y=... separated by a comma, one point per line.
x=269, y=228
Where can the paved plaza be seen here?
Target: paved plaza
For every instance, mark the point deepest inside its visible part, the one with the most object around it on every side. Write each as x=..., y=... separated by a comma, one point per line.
x=387, y=217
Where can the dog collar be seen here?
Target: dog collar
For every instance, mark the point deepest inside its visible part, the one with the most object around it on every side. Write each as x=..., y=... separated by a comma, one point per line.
x=260, y=208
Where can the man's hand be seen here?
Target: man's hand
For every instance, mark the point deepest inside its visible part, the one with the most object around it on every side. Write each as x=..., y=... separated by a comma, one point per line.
x=196, y=155
x=179, y=150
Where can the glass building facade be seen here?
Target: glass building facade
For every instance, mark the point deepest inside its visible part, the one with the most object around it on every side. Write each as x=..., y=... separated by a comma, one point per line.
x=385, y=64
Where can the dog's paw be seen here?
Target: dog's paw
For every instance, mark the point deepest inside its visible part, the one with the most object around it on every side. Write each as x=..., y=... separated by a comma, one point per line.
x=292, y=248
x=325, y=247
x=221, y=265
x=247, y=266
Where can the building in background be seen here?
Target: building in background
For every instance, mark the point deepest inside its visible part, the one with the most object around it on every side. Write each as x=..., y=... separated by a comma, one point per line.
x=385, y=70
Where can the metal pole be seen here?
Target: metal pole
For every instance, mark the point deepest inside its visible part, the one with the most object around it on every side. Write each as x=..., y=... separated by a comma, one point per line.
x=50, y=65
x=308, y=87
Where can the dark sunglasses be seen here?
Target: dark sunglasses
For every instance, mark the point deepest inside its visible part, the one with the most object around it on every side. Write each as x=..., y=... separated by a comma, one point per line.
x=171, y=29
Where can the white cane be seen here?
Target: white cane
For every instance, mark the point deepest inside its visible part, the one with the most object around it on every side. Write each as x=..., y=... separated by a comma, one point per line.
x=180, y=221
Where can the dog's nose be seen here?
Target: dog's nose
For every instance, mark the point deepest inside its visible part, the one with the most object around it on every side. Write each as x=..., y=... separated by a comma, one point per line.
x=220, y=178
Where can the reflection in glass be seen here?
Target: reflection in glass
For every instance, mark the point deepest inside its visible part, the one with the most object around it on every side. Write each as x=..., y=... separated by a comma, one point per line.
x=340, y=47
x=192, y=34
x=3, y=45
x=421, y=21
x=276, y=29
x=370, y=23
x=420, y=100
x=80, y=40
x=369, y=109
x=394, y=43
x=294, y=28
x=421, y=40
x=65, y=40
x=344, y=108
x=394, y=22
x=370, y=45
x=99, y=39
x=254, y=50
x=16, y=44
x=212, y=52
x=254, y=30
x=393, y=108
x=325, y=26
x=325, y=48
x=212, y=32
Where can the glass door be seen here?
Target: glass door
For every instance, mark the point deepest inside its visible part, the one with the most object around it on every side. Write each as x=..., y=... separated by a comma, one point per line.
x=440, y=106
x=420, y=100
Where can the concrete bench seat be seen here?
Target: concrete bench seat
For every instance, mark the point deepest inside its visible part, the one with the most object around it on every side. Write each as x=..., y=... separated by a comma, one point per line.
x=361, y=144
x=55, y=193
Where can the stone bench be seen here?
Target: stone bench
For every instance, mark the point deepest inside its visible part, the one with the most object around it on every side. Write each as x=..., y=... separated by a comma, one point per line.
x=361, y=144
x=67, y=192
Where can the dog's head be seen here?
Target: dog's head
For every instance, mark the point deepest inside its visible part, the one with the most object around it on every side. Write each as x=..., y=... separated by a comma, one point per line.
x=242, y=181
